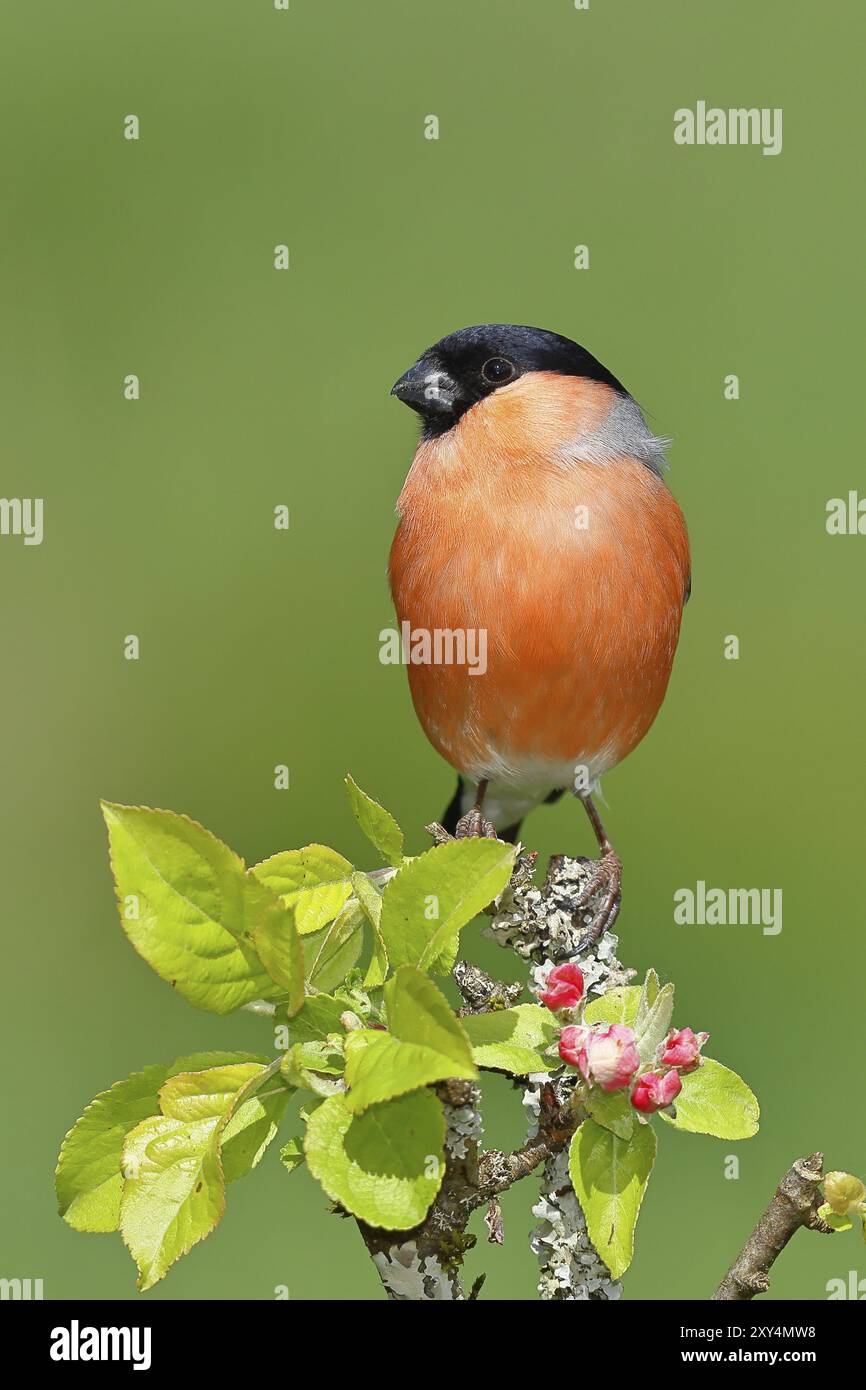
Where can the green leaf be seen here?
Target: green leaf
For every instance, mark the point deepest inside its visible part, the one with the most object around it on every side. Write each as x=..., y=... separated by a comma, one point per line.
x=426, y=1043
x=371, y=901
x=512, y=1040
x=88, y=1180
x=616, y=1006
x=226, y=1085
x=315, y=882
x=199, y=1061
x=610, y=1176
x=378, y=825
x=311, y=1066
x=320, y=1016
x=174, y=1193
x=309, y=1106
x=278, y=943
x=612, y=1110
x=513, y=1059
x=174, y=1178
x=369, y=898
x=186, y=906
x=200, y=1095
x=377, y=970
x=339, y=950
x=835, y=1220
x=652, y=1027
x=714, y=1100
x=251, y=1123
x=384, y=1166
x=418, y=1013
x=359, y=1038
x=292, y=1154
x=648, y=995
x=425, y=904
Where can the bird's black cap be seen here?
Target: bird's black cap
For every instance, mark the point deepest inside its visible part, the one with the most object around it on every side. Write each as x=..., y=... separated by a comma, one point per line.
x=468, y=365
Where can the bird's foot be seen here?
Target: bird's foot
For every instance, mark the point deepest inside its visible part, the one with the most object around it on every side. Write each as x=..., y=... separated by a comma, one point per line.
x=474, y=826
x=604, y=885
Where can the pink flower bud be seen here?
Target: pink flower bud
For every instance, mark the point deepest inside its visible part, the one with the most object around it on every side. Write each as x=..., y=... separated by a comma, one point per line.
x=683, y=1049
x=564, y=988
x=654, y=1091
x=608, y=1057
x=571, y=1041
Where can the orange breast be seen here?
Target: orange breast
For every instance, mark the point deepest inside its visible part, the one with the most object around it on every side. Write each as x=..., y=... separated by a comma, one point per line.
x=575, y=571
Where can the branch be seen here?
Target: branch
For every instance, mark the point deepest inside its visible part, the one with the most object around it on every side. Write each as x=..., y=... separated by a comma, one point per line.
x=480, y=992
x=540, y=926
x=497, y=1171
x=543, y=927
x=794, y=1204
x=425, y=1263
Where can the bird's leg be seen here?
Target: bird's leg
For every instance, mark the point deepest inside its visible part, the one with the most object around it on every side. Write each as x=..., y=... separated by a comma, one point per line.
x=473, y=824
x=606, y=875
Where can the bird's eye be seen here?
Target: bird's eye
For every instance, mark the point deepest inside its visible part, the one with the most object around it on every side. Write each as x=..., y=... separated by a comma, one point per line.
x=498, y=369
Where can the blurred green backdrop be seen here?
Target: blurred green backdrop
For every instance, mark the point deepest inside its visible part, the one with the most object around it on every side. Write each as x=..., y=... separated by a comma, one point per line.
x=260, y=647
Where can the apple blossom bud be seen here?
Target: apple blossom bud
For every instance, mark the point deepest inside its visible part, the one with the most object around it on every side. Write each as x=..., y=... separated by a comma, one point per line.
x=350, y=1021
x=564, y=988
x=683, y=1049
x=608, y=1057
x=570, y=1043
x=844, y=1192
x=654, y=1091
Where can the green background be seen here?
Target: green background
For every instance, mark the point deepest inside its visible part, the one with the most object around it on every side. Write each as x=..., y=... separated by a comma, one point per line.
x=260, y=647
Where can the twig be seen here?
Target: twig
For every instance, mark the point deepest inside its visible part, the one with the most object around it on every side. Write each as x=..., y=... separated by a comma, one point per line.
x=480, y=992
x=497, y=1171
x=794, y=1204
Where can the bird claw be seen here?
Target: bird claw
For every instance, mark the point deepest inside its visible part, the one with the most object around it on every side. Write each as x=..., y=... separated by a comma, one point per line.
x=474, y=826
x=606, y=878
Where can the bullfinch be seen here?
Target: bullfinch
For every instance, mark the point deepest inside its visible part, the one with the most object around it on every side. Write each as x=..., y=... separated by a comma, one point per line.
x=535, y=528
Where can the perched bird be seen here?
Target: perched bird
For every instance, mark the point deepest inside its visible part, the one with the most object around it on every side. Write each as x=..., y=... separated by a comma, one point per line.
x=535, y=513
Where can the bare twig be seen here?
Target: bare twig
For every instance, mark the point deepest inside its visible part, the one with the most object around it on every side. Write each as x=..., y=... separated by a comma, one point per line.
x=480, y=992
x=794, y=1204
x=556, y=1124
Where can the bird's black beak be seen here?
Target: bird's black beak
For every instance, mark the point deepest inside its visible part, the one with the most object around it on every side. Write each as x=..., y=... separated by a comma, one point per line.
x=427, y=388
